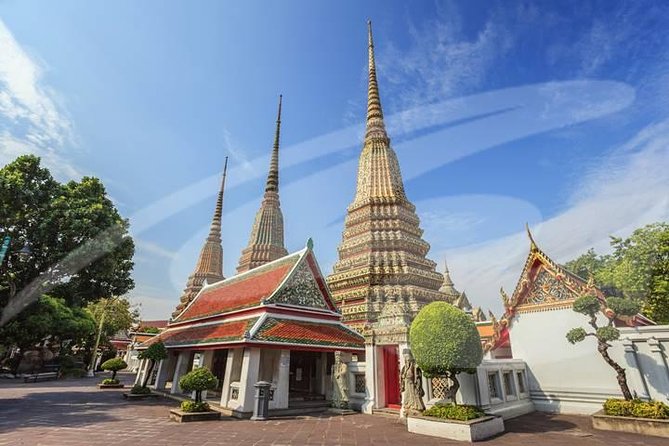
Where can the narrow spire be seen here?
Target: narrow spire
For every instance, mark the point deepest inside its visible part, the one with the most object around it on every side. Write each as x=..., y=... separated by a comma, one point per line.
x=533, y=244
x=266, y=239
x=375, y=126
x=273, y=174
x=215, y=229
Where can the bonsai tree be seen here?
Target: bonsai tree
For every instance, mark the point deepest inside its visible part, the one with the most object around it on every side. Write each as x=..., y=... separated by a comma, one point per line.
x=197, y=381
x=114, y=365
x=154, y=353
x=611, y=308
x=445, y=342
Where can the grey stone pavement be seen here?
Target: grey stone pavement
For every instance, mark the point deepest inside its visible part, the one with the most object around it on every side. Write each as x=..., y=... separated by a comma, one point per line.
x=75, y=412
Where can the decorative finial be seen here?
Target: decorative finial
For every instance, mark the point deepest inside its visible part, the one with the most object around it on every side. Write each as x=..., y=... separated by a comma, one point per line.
x=215, y=229
x=376, y=129
x=310, y=244
x=533, y=244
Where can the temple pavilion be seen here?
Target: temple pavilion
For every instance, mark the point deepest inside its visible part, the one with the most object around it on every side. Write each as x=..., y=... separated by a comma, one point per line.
x=274, y=321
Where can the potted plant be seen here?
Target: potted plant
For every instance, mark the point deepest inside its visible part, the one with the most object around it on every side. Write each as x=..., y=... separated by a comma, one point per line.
x=196, y=381
x=113, y=365
x=445, y=342
x=627, y=414
x=154, y=353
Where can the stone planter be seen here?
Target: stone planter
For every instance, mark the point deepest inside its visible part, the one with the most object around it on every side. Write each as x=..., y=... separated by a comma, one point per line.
x=140, y=396
x=472, y=430
x=110, y=386
x=644, y=426
x=180, y=416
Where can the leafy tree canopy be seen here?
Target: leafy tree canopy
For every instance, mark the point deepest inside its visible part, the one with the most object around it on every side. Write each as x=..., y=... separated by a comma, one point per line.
x=637, y=269
x=154, y=352
x=119, y=314
x=79, y=243
x=444, y=340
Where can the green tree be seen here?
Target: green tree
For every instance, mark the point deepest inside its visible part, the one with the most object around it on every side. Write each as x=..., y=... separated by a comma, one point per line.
x=80, y=247
x=119, y=315
x=114, y=365
x=637, y=269
x=591, y=306
x=48, y=318
x=445, y=342
x=154, y=353
x=197, y=381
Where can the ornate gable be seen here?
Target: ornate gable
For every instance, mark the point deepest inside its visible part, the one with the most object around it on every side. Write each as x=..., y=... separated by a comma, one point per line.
x=304, y=286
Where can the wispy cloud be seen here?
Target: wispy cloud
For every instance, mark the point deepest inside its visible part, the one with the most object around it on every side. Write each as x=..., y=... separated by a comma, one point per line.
x=629, y=190
x=31, y=119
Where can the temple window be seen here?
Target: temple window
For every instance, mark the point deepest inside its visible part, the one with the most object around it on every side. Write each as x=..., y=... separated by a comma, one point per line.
x=521, y=381
x=493, y=386
x=508, y=384
x=360, y=383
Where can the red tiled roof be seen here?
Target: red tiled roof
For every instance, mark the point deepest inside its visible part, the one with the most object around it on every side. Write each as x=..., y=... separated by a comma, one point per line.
x=155, y=323
x=208, y=334
x=242, y=291
x=311, y=333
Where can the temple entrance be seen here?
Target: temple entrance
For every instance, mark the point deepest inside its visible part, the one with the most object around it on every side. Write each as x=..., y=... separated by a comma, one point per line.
x=218, y=363
x=305, y=376
x=391, y=376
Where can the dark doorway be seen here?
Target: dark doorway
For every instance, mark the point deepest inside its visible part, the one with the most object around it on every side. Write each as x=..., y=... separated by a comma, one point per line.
x=218, y=366
x=304, y=381
x=391, y=374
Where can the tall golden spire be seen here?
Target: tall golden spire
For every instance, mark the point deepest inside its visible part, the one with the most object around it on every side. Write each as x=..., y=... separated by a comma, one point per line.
x=382, y=256
x=266, y=240
x=209, y=265
x=375, y=127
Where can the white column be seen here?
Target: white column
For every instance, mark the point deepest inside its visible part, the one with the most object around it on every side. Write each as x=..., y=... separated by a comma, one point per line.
x=660, y=374
x=227, y=377
x=138, y=376
x=633, y=372
x=163, y=366
x=371, y=364
x=179, y=371
x=249, y=376
x=322, y=373
x=282, y=375
x=207, y=361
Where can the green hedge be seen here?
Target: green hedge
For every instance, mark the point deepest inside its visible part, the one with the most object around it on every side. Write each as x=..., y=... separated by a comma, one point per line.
x=454, y=412
x=137, y=389
x=636, y=408
x=107, y=381
x=192, y=406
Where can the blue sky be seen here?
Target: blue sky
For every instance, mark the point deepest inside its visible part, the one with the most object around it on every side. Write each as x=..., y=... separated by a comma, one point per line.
x=501, y=113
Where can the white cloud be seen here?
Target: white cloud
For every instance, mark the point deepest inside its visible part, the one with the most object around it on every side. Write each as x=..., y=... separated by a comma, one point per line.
x=626, y=192
x=31, y=120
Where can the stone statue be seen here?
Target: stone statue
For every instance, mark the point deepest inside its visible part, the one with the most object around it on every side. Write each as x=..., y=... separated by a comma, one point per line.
x=339, y=383
x=411, y=386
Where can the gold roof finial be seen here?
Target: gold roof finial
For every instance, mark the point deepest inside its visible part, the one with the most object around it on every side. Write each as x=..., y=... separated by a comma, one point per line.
x=375, y=126
x=533, y=244
x=273, y=174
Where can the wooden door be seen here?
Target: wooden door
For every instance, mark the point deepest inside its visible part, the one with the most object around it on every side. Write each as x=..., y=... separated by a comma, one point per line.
x=391, y=372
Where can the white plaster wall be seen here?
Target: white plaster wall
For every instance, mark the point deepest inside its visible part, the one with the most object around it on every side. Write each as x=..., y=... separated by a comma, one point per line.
x=570, y=378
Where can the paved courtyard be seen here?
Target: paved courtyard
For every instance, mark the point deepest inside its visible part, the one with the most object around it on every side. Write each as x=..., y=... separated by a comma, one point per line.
x=75, y=412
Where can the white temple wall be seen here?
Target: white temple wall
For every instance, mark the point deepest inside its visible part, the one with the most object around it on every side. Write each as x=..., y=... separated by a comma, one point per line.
x=568, y=378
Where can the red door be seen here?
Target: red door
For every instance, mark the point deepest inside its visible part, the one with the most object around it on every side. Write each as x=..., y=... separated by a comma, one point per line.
x=391, y=371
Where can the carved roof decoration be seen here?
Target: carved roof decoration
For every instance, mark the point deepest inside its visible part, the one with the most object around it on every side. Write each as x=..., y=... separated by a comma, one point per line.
x=209, y=267
x=447, y=286
x=266, y=239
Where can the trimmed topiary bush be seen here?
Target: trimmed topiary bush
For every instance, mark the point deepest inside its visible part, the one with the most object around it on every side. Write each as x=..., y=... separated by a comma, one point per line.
x=197, y=381
x=611, y=308
x=114, y=365
x=454, y=412
x=636, y=408
x=445, y=342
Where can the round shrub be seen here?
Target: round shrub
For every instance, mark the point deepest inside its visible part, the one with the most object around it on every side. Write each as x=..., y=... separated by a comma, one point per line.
x=114, y=365
x=444, y=340
x=108, y=381
x=197, y=381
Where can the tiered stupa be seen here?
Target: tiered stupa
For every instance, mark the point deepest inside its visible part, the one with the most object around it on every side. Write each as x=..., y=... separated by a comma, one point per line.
x=266, y=240
x=382, y=257
x=209, y=267
x=447, y=286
